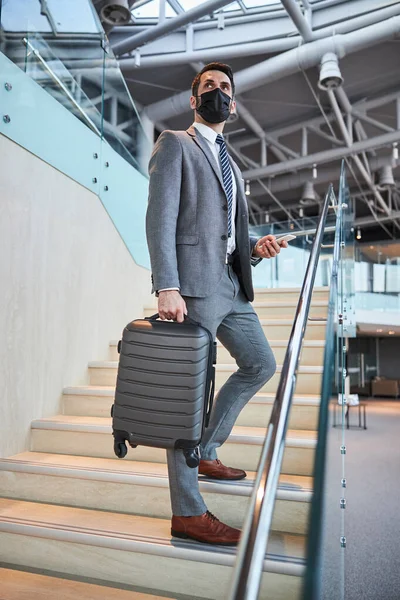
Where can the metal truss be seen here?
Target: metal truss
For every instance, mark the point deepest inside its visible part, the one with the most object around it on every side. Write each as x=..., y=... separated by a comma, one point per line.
x=272, y=32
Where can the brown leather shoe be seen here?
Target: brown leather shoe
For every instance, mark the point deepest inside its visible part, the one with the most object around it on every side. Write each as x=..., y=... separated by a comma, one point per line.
x=216, y=470
x=206, y=529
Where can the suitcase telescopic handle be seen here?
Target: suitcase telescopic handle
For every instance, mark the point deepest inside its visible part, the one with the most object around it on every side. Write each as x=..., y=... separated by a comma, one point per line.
x=188, y=319
x=210, y=398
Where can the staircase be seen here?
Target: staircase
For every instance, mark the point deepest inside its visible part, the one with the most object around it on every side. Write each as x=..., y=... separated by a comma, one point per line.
x=70, y=509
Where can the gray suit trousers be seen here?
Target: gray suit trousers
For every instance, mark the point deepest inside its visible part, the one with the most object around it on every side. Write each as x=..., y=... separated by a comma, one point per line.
x=230, y=317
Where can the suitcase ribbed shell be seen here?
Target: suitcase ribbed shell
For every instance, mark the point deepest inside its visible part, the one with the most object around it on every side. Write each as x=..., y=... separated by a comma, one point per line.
x=162, y=384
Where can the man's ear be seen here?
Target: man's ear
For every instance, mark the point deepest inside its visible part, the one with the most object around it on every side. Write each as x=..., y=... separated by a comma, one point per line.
x=193, y=101
x=232, y=108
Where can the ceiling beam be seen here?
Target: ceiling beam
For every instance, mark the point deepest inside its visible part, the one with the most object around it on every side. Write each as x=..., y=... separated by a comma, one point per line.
x=208, y=54
x=288, y=63
x=276, y=148
x=349, y=142
x=316, y=121
x=227, y=49
x=299, y=20
x=323, y=157
x=295, y=181
x=174, y=4
x=153, y=33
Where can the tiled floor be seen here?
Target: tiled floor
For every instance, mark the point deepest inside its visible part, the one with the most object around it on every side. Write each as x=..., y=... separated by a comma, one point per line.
x=369, y=567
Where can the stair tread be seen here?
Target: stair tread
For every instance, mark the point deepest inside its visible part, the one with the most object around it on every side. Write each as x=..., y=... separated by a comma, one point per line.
x=261, y=397
x=252, y=435
x=47, y=462
x=272, y=343
x=113, y=364
x=260, y=290
x=16, y=584
x=130, y=532
x=284, y=304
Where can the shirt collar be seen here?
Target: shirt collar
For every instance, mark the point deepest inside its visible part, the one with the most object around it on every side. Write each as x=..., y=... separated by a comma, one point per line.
x=206, y=132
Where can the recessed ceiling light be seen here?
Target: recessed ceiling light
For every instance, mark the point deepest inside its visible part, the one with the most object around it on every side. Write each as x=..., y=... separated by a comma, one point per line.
x=379, y=330
x=391, y=332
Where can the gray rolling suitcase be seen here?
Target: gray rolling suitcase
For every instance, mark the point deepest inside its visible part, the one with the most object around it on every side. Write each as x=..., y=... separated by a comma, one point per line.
x=165, y=386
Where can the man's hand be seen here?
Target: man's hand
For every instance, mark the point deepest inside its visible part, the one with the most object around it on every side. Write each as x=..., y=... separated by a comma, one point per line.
x=171, y=305
x=267, y=247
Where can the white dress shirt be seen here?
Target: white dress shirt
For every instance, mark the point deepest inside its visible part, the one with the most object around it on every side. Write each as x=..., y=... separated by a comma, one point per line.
x=210, y=136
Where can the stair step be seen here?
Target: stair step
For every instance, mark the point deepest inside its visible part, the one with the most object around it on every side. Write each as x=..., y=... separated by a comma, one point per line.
x=308, y=381
x=18, y=585
x=130, y=550
x=274, y=310
x=141, y=488
x=280, y=329
x=96, y=401
x=273, y=295
x=312, y=352
x=91, y=436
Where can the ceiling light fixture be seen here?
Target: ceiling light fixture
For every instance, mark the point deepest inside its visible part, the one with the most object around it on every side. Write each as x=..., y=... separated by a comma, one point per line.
x=379, y=330
x=308, y=195
x=247, y=189
x=395, y=153
x=266, y=217
x=330, y=77
x=386, y=180
x=358, y=236
x=391, y=332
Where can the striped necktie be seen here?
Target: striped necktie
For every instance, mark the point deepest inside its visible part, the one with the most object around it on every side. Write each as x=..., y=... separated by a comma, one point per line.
x=227, y=178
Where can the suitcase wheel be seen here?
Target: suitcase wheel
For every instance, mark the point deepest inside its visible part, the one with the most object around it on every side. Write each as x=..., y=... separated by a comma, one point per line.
x=120, y=449
x=192, y=457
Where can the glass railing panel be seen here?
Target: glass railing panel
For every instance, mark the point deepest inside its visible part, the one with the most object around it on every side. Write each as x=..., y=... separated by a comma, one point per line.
x=124, y=129
x=82, y=74
x=288, y=269
x=326, y=549
x=44, y=67
x=347, y=258
x=42, y=125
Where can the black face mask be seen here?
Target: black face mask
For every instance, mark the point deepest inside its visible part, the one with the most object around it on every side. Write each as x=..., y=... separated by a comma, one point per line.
x=214, y=106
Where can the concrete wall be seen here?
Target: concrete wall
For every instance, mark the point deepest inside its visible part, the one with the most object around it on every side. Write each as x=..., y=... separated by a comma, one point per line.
x=67, y=287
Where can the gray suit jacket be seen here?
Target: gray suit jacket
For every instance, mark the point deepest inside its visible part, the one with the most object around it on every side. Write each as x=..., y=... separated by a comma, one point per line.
x=187, y=218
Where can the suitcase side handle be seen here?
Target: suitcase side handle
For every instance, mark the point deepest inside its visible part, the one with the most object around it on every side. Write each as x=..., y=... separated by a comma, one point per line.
x=187, y=319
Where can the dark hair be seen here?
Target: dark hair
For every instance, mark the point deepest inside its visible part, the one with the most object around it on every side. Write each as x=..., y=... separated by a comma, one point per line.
x=214, y=66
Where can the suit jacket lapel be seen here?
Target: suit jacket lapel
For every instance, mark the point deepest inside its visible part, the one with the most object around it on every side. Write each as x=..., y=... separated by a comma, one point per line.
x=202, y=143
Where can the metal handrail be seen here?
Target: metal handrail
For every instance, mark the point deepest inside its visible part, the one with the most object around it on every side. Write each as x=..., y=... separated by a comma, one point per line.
x=251, y=552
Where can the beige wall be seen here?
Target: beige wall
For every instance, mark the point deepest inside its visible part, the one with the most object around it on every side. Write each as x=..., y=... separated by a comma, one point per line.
x=68, y=285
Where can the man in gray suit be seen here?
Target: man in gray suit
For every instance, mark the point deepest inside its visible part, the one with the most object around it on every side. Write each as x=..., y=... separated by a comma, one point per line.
x=201, y=256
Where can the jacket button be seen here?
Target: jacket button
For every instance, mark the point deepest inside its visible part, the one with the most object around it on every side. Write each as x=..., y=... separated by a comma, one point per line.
x=224, y=237
x=225, y=207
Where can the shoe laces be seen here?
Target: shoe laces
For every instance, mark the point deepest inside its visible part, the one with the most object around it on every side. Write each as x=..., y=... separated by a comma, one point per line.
x=211, y=517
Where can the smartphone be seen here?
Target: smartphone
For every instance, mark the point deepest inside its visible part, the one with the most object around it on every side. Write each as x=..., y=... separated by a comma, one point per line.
x=285, y=238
